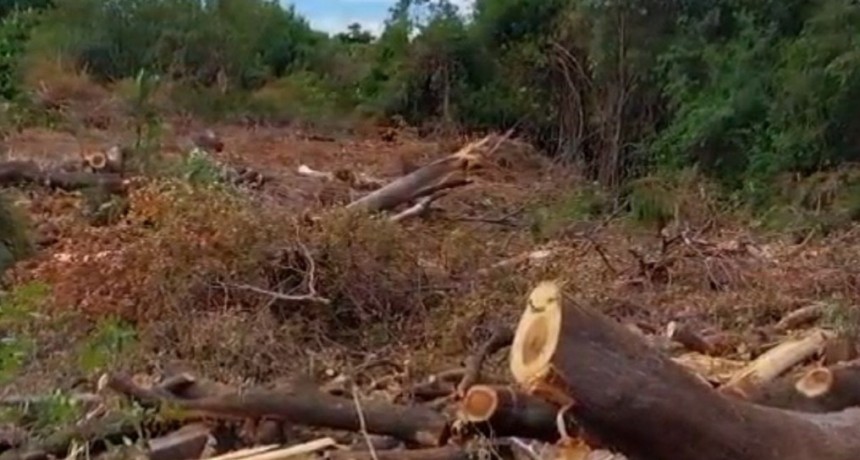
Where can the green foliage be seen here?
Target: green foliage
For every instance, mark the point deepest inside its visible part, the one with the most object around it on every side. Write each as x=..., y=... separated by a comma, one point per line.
x=585, y=203
x=741, y=90
x=198, y=168
x=146, y=122
x=17, y=309
x=15, y=27
x=107, y=343
x=15, y=243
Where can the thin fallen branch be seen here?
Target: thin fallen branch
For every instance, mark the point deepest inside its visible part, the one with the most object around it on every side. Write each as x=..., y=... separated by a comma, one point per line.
x=309, y=298
x=362, y=424
x=502, y=337
x=300, y=450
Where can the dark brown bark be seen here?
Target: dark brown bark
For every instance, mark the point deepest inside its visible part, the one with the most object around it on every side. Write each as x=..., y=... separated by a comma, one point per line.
x=842, y=392
x=13, y=173
x=309, y=407
x=422, y=180
x=640, y=403
x=495, y=411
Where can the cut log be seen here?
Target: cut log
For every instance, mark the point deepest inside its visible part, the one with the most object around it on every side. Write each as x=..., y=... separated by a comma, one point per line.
x=821, y=389
x=502, y=412
x=406, y=188
x=306, y=406
x=641, y=404
x=15, y=173
x=776, y=362
x=186, y=443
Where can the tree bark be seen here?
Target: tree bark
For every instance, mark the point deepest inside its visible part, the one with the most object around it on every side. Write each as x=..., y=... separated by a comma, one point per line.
x=495, y=411
x=408, y=187
x=309, y=407
x=641, y=404
x=822, y=389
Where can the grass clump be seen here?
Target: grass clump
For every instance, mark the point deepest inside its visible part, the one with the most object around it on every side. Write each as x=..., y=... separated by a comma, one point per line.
x=15, y=243
x=18, y=310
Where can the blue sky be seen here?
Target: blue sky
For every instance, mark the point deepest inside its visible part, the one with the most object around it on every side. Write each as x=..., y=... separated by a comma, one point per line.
x=335, y=15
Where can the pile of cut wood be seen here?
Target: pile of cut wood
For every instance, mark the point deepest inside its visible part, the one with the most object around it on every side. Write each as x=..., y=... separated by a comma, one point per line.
x=583, y=387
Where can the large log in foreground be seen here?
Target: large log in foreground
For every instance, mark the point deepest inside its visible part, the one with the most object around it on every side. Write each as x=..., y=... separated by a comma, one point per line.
x=640, y=403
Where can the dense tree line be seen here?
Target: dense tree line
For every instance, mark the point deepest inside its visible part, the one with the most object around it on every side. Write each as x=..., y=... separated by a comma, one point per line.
x=743, y=89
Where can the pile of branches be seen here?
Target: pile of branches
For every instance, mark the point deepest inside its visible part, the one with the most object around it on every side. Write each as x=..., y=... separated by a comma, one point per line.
x=584, y=386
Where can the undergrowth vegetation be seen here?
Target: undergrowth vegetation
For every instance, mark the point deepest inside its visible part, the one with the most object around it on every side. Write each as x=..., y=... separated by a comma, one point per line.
x=675, y=115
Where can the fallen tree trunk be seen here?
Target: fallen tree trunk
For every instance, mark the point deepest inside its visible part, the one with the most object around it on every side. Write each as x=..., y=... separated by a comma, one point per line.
x=641, y=404
x=502, y=412
x=309, y=407
x=407, y=188
x=14, y=173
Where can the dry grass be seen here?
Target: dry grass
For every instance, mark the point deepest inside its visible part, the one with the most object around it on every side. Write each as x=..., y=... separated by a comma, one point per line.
x=422, y=290
x=58, y=88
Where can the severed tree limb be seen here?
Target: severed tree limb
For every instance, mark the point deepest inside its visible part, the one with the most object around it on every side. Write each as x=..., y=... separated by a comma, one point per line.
x=821, y=389
x=502, y=337
x=775, y=362
x=309, y=407
x=427, y=197
x=641, y=404
x=405, y=188
x=13, y=173
x=496, y=411
x=799, y=318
